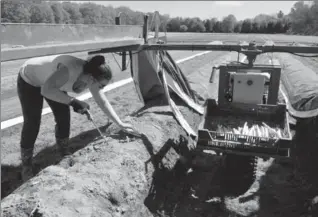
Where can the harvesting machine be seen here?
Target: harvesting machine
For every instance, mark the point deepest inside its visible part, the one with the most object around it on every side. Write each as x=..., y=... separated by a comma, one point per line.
x=250, y=117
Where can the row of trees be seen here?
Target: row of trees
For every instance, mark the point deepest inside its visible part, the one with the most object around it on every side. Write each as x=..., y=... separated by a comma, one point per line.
x=229, y=24
x=28, y=11
x=302, y=19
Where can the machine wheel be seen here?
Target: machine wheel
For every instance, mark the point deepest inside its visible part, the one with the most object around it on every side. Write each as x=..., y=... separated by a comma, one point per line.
x=239, y=173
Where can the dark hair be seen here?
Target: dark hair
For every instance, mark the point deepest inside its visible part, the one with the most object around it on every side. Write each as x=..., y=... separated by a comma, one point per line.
x=97, y=67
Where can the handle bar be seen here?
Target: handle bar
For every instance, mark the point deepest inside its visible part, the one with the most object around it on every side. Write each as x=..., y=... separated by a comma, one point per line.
x=258, y=49
x=251, y=50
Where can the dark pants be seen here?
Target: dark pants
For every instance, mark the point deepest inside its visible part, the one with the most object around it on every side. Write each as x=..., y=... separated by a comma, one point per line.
x=32, y=103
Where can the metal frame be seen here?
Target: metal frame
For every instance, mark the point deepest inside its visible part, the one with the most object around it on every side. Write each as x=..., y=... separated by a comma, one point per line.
x=139, y=38
x=224, y=76
x=245, y=49
x=45, y=50
x=124, y=53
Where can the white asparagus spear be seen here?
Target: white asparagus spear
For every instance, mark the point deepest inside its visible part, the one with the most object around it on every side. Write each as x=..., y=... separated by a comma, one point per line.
x=247, y=132
x=252, y=132
x=240, y=129
x=256, y=131
x=222, y=129
x=266, y=132
x=271, y=130
x=263, y=131
x=245, y=129
x=218, y=128
x=259, y=132
x=236, y=131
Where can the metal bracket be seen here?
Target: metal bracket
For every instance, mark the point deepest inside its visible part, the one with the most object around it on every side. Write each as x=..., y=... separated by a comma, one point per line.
x=251, y=53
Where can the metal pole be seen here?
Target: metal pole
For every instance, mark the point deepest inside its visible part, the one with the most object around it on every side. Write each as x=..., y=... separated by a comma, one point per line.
x=213, y=73
x=123, y=57
x=157, y=23
x=145, y=29
x=117, y=20
x=90, y=118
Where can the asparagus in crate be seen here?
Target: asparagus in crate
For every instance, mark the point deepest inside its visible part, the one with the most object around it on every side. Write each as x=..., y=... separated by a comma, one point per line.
x=255, y=130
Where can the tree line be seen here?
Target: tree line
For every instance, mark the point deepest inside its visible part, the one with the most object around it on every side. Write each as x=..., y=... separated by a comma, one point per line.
x=302, y=18
x=260, y=24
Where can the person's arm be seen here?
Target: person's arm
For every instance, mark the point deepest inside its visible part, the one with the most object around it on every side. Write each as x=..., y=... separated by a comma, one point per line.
x=51, y=90
x=104, y=104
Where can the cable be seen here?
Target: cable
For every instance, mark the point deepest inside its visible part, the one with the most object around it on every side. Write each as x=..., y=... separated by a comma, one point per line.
x=284, y=51
x=303, y=55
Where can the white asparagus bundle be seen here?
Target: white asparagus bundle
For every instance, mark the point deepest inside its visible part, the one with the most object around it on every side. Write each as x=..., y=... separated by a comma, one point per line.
x=274, y=133
x=245, y=129
x=259, y=132
x=240, y=129
x=256, y=130
x=236, y=131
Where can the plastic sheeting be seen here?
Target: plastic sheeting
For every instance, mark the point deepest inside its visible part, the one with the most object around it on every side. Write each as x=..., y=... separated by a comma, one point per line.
x=145, y=67
x=300, y=85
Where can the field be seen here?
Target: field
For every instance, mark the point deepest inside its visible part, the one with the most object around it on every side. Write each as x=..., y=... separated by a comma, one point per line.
x=114, y=180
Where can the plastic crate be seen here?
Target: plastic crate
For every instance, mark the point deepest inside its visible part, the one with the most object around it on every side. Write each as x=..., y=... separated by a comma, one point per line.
x=231, y=114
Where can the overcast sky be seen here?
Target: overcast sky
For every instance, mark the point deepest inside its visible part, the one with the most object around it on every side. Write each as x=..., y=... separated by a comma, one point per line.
x=206, y=9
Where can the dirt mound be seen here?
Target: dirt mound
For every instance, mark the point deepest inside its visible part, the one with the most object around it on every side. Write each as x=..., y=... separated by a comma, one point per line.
x=102, y=179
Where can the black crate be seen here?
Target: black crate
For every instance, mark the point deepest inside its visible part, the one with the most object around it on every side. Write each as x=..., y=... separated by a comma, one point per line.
x=231, y=114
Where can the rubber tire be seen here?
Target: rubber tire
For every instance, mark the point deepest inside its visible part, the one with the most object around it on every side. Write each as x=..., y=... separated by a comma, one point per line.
x=238, y=174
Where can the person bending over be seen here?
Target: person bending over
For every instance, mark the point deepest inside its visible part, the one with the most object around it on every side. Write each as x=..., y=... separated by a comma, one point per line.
x=51, y=78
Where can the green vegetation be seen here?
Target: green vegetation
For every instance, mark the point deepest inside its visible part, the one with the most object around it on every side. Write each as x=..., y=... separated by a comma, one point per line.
x=302, y=18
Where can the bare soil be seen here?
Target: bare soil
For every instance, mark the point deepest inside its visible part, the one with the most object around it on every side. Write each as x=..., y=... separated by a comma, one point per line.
x=146, y=176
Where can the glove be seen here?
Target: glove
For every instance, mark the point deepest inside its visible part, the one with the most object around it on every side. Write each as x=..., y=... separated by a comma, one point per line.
x=79, y=106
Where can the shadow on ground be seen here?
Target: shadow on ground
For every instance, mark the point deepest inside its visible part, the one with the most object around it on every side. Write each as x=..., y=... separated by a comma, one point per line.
x=285, y=190
x=178, y=193
x=11, y=177
x=289, y=189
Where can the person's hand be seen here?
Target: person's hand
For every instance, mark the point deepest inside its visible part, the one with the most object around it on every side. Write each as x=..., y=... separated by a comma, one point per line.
x=79, y=106
x=128, y=128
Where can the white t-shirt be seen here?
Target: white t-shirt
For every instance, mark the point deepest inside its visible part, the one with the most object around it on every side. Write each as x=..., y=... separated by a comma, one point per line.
x=37, y=70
